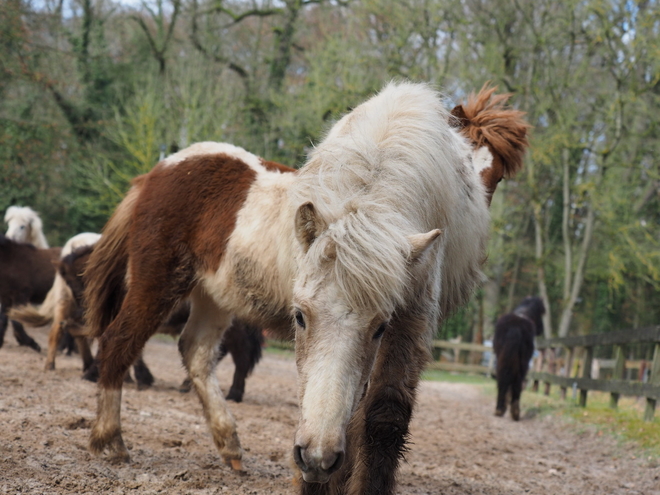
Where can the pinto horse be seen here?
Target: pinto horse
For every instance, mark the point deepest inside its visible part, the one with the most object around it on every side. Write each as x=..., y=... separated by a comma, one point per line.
x=362, y=251
x=514, y=346
x=26, y=274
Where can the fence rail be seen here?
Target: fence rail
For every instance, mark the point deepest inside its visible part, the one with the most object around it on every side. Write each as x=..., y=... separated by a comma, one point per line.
x=456, y=365
x=615, y=386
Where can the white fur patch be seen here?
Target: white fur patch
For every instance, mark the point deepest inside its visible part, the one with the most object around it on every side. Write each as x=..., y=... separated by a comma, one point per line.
x=25, y=226
x=482, y=159
x=78, y=241
x=212, y=148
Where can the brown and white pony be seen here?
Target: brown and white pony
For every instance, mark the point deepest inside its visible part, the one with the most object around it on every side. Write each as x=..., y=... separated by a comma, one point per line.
x=376, y=239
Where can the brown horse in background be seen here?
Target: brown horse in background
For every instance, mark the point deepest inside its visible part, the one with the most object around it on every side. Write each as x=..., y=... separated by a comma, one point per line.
x=26, y=275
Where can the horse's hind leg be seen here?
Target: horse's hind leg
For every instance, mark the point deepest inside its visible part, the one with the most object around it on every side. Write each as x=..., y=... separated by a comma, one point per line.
x=56, y=331
x=119, y=346
x=199, y=347
x=143, y=376
x=23, y=338
x=503, y=384
x=3, y=327
x=516, y=390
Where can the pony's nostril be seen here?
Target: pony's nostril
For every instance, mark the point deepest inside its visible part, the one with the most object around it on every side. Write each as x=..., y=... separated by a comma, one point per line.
x=297, y=457
x=338, y=461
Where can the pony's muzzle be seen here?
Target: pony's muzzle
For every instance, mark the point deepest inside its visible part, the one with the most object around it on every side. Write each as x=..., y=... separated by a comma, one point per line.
x=317, y=468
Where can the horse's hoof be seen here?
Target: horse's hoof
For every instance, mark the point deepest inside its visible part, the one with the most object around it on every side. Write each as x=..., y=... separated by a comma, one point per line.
x=186, y=386
x=143, y=386
x=235, y=464
x=35, y=346
x=515, y=411
x=49, y=366
x=499, y=412
x=117, y=451
x=235, y=396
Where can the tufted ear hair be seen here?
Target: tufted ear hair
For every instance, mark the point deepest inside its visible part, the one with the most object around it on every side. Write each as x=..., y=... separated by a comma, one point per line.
x=458, y=117
x=421, y=242
x=308, y=225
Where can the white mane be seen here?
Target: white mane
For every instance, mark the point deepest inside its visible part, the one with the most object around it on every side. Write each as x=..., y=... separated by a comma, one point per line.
x=25, y=226
x=391, y=168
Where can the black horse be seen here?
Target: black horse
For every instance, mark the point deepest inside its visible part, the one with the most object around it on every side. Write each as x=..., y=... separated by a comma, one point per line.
x=514, y=345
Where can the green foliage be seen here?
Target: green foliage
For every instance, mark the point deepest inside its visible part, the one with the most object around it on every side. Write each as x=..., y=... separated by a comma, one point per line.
x=93, y=98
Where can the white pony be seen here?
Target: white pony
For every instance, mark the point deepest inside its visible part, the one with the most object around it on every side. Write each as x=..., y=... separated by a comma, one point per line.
x=25, y=226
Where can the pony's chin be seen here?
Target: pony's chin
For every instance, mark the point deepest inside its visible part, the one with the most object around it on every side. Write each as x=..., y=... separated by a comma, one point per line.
x=316, y=477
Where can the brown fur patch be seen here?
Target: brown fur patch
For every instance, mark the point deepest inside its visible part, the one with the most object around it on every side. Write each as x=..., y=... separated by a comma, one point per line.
x=190, y=209
x=276, y=167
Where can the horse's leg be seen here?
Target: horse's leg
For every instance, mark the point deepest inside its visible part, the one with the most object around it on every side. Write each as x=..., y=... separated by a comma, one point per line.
x=4, y=320
x=516, y=390
x=56, y=331
x=143, y=376
x=85, y=352
x=22, y=337
x=503, y=384
x=199, y=346
x=142, y=311
x=235, y=342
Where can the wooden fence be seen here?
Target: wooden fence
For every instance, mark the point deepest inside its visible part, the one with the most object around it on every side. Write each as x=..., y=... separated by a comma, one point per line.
x=566, y=374
x=455, y=364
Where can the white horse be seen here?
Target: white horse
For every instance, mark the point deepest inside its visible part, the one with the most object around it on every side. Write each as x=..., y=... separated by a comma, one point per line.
x=365, y=249
x=25, y=226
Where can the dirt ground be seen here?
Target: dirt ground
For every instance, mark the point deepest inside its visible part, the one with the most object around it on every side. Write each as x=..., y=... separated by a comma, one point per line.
x=458, y=446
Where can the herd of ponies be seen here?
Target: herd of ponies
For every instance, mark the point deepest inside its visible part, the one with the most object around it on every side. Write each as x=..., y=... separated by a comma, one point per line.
x=358, y=255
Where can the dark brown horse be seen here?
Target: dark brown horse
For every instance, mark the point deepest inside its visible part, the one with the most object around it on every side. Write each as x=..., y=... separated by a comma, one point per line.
x=514, y=345
x=241, y=340
x=26, y=275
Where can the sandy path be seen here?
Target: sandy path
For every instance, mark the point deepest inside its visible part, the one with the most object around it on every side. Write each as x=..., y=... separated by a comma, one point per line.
x=458, y=447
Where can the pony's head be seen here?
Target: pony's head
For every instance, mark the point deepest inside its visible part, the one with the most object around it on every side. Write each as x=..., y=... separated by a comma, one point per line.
x=532, y=307
x=498, y=135
x=351, y=276
x=25, y=226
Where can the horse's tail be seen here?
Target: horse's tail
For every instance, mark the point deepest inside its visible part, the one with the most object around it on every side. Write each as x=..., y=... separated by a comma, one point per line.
x=43, y=314
x=105, y=272
x=487, y=120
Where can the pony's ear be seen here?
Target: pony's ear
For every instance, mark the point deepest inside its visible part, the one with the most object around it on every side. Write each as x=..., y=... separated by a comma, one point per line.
x=308, y=225
x=421, y=242
x=459, y=119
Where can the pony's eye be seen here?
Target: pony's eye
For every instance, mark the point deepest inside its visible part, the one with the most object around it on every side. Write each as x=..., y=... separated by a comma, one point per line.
x=300, y=319
x=381, y=330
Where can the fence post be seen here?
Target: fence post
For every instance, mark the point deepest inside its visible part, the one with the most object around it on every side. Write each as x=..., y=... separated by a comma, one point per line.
x=619, y=369
x=568, y=364
x=654, y=379
x=586, y=373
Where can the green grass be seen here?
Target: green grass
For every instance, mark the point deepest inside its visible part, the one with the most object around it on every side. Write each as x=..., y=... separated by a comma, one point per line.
x=625, y=423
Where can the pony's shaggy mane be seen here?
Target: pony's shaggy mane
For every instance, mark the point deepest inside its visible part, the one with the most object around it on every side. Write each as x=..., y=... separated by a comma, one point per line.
x=487, y=121
x=366, y=180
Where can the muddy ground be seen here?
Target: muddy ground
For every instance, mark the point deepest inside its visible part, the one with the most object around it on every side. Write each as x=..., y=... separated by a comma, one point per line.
x=458, y=446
